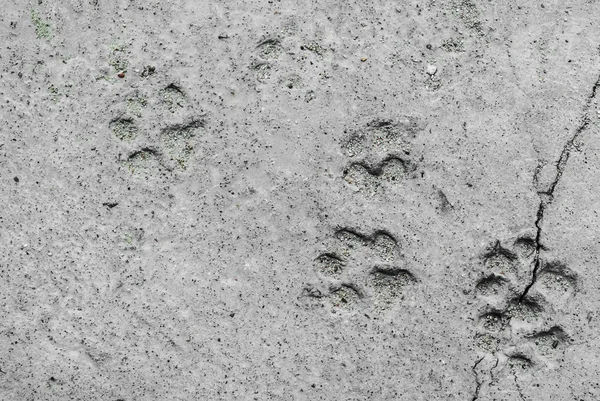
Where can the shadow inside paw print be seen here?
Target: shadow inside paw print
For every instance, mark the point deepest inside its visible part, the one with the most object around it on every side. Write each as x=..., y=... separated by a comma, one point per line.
x=146, y=163
x=373, y=180
x=362, y=270
x=519, y=302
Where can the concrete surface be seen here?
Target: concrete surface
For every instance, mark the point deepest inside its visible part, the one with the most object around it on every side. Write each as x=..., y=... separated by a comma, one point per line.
x=294, y=200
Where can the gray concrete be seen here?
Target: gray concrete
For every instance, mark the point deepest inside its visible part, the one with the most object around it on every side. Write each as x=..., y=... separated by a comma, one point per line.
x=279, y=200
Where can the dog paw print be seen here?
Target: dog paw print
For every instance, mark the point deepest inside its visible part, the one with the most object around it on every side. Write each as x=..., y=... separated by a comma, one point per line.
x=361, y=271
x=380, y=155
x=518, y=305
x=148, y=154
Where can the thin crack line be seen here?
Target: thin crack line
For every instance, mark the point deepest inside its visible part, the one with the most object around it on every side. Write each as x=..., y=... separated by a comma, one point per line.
x=518, y=386
x=538, y=248
x=492, y=379
x=546, y=197
x=478, y=383
x=566, y=152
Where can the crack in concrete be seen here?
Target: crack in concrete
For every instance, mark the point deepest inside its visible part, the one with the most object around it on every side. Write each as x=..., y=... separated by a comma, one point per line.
x=478, y=383
x=518, y=386
x=546, y=197
x=492, y=379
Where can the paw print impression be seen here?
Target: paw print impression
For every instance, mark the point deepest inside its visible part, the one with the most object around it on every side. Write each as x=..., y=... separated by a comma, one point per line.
x=363, y=271
x=519, y=297
x=156, y=156
x=388, y=285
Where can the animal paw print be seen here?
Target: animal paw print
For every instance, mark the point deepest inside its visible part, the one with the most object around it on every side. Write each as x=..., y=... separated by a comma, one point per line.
x=379, y=155
x=174, y=146
x=361, y=271
x=516, y=322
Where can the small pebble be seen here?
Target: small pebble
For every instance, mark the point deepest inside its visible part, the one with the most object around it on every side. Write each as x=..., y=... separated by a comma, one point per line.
x=363, y=59
x=431, y=69
x=121, y=74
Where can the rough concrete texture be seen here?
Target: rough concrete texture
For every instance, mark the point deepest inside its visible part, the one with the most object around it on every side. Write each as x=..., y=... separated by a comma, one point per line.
x=294, y=200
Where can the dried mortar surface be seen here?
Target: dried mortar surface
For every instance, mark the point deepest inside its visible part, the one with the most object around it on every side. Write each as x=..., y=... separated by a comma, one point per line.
x=293, y=200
